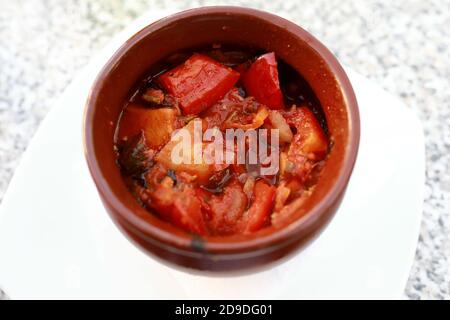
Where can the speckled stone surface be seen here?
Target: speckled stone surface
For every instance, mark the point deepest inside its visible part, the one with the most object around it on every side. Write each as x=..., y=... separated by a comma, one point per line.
x=404, y=46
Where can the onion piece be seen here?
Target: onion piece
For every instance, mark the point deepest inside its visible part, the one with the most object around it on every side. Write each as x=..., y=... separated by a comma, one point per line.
x=278, y=121
x=281, y=195
x=258, y=120
x=290, y=211
x=155, y=96
x=248, y=187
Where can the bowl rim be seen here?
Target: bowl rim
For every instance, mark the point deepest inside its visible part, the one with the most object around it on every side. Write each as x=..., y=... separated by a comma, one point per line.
x=231, y=244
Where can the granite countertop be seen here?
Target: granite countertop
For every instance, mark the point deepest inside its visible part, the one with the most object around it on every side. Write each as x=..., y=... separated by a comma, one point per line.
x=404, y=46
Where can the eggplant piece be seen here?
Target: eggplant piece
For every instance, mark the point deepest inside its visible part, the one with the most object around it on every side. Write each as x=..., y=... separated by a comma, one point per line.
x=135, y=157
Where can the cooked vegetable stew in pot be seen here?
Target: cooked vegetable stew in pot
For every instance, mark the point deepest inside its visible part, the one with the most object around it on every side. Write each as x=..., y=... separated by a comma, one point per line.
x=193, y=96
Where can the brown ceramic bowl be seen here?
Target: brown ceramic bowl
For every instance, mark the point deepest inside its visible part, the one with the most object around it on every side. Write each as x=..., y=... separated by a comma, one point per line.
x=196, y=28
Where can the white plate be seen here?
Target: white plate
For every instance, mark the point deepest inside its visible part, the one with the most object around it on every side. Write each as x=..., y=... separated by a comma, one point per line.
x=57, y=241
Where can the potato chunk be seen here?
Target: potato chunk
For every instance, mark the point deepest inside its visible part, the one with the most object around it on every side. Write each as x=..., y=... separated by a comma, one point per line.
x=201, y=170
x=157, y=124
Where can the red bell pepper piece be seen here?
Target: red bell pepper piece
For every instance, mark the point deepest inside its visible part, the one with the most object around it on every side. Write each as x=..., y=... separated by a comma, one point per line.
x=310, y=140
x=198, y=83
x=186, y=212
x=181, y=207
x=261, y=81
x=258, y=214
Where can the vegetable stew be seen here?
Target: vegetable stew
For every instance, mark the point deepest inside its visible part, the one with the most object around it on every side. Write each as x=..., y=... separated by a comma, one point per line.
x=211, y=92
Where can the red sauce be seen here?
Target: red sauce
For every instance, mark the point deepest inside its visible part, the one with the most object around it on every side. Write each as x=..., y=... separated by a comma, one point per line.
x=222, y=89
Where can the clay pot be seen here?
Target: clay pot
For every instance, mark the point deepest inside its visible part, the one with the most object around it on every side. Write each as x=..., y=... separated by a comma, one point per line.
x=197, y=28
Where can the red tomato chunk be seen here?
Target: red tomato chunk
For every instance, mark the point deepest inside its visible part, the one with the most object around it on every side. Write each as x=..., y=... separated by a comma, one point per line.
x=258, y=215
x=199, y=83
x=261, y=81
x=227, y=209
